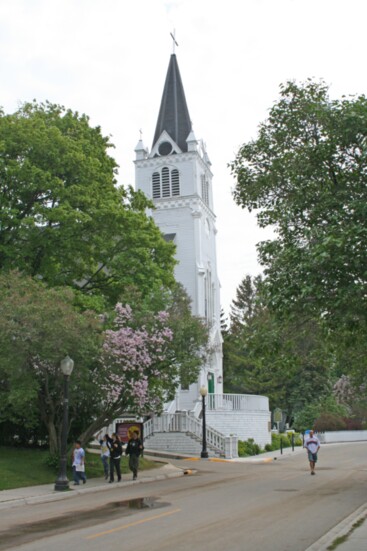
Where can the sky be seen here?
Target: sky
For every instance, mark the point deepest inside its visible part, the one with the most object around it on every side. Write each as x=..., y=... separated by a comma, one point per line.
x=109, y=58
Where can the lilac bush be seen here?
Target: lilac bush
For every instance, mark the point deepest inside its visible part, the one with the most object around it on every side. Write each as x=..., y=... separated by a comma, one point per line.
x=134, y=361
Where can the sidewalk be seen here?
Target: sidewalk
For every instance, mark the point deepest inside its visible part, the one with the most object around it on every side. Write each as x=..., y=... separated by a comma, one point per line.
x=267, y=457
x=46, y=493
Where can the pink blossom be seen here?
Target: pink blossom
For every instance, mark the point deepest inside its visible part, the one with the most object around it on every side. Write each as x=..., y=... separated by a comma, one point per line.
x=131, y=357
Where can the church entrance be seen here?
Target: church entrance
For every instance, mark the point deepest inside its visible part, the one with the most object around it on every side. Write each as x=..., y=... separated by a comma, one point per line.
x=211, y=383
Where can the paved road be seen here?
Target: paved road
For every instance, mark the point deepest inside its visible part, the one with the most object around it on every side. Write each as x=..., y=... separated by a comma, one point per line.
x=274, y=506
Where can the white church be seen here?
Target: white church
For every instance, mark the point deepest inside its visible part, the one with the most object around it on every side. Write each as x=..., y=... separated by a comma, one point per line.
x=176, y=175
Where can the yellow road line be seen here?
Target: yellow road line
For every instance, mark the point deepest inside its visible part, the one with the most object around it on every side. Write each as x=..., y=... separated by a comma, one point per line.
x=100, y=534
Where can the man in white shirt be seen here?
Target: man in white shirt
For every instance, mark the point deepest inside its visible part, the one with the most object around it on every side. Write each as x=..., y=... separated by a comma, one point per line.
x=312, y=445
x=78, y=463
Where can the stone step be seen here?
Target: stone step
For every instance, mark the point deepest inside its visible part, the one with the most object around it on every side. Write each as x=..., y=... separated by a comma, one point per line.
x=176, y=442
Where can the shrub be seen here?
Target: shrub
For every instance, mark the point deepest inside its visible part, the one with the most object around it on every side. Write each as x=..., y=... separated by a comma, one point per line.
x=306, y=418
x=248, y=447
x=285, y=438
x=353, y=423
x=52, y=461
x=329, y=421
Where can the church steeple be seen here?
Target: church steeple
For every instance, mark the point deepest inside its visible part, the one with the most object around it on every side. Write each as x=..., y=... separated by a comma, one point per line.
x=173, y=115
x=176, y=175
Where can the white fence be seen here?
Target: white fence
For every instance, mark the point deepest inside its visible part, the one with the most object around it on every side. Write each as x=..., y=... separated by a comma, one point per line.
x=329, y=437
x=237, y=402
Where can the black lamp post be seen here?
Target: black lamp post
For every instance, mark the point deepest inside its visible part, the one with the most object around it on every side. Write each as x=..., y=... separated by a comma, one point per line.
x=204, y=452
x=62, y=482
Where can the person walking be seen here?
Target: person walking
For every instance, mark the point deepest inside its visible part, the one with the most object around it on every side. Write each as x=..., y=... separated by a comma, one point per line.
x=312, y=445
x=78, y=463
x=134, y=449
x=105, y=454
x=115, y=448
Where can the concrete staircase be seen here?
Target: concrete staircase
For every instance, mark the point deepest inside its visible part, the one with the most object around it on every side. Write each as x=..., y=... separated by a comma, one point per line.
x=176, y=442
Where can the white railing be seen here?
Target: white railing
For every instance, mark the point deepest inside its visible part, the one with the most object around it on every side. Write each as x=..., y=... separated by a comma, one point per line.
x=183, y=422
x=237, y=402
x=170, y=407
x=196, y=411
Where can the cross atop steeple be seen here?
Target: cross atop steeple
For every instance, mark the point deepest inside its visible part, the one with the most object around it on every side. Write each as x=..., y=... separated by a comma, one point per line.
x=173, y=35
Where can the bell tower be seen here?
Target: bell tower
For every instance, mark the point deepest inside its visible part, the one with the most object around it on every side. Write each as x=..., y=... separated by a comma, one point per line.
x=176, y=175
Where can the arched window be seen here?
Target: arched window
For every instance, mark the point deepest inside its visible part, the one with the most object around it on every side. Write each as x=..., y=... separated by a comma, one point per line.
x=165, y=183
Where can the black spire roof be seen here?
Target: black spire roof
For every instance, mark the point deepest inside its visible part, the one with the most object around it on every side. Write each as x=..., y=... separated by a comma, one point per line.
x=173, y=114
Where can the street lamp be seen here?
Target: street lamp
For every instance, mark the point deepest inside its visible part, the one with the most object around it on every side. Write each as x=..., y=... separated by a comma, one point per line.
x=204, y=453
x=62, y=482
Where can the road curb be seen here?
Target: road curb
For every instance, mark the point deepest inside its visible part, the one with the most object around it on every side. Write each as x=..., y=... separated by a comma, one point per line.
x=341, y=529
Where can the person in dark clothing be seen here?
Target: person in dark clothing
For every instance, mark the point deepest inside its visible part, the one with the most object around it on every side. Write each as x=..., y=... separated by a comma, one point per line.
x=133, y=450
x=115, y=448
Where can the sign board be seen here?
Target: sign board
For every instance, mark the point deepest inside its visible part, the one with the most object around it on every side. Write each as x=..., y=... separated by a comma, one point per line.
x=125, y=430
x=278, y=415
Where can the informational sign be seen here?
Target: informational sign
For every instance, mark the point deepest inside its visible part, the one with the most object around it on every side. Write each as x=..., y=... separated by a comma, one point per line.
x=278, y=415
x=125, y=430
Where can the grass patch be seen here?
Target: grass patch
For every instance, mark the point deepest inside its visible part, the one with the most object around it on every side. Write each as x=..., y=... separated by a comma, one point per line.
x=344, y=538
x=337, y=542
x=20, y=467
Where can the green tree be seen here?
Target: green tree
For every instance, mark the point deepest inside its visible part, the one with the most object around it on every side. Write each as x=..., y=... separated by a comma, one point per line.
x=286, y=360
x=246, y=303
x=39, y=326
x=63, y=218
x=306, y=174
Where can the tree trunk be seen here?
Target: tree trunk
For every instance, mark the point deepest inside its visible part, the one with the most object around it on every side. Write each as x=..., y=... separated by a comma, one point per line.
x=53, y=440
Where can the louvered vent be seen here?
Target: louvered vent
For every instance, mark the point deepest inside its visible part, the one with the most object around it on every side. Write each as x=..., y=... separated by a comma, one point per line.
x=166, y=183
x=156, y=180
x=175, y=180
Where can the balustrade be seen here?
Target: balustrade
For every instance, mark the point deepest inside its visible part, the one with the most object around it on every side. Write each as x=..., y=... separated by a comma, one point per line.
x=183, y=422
